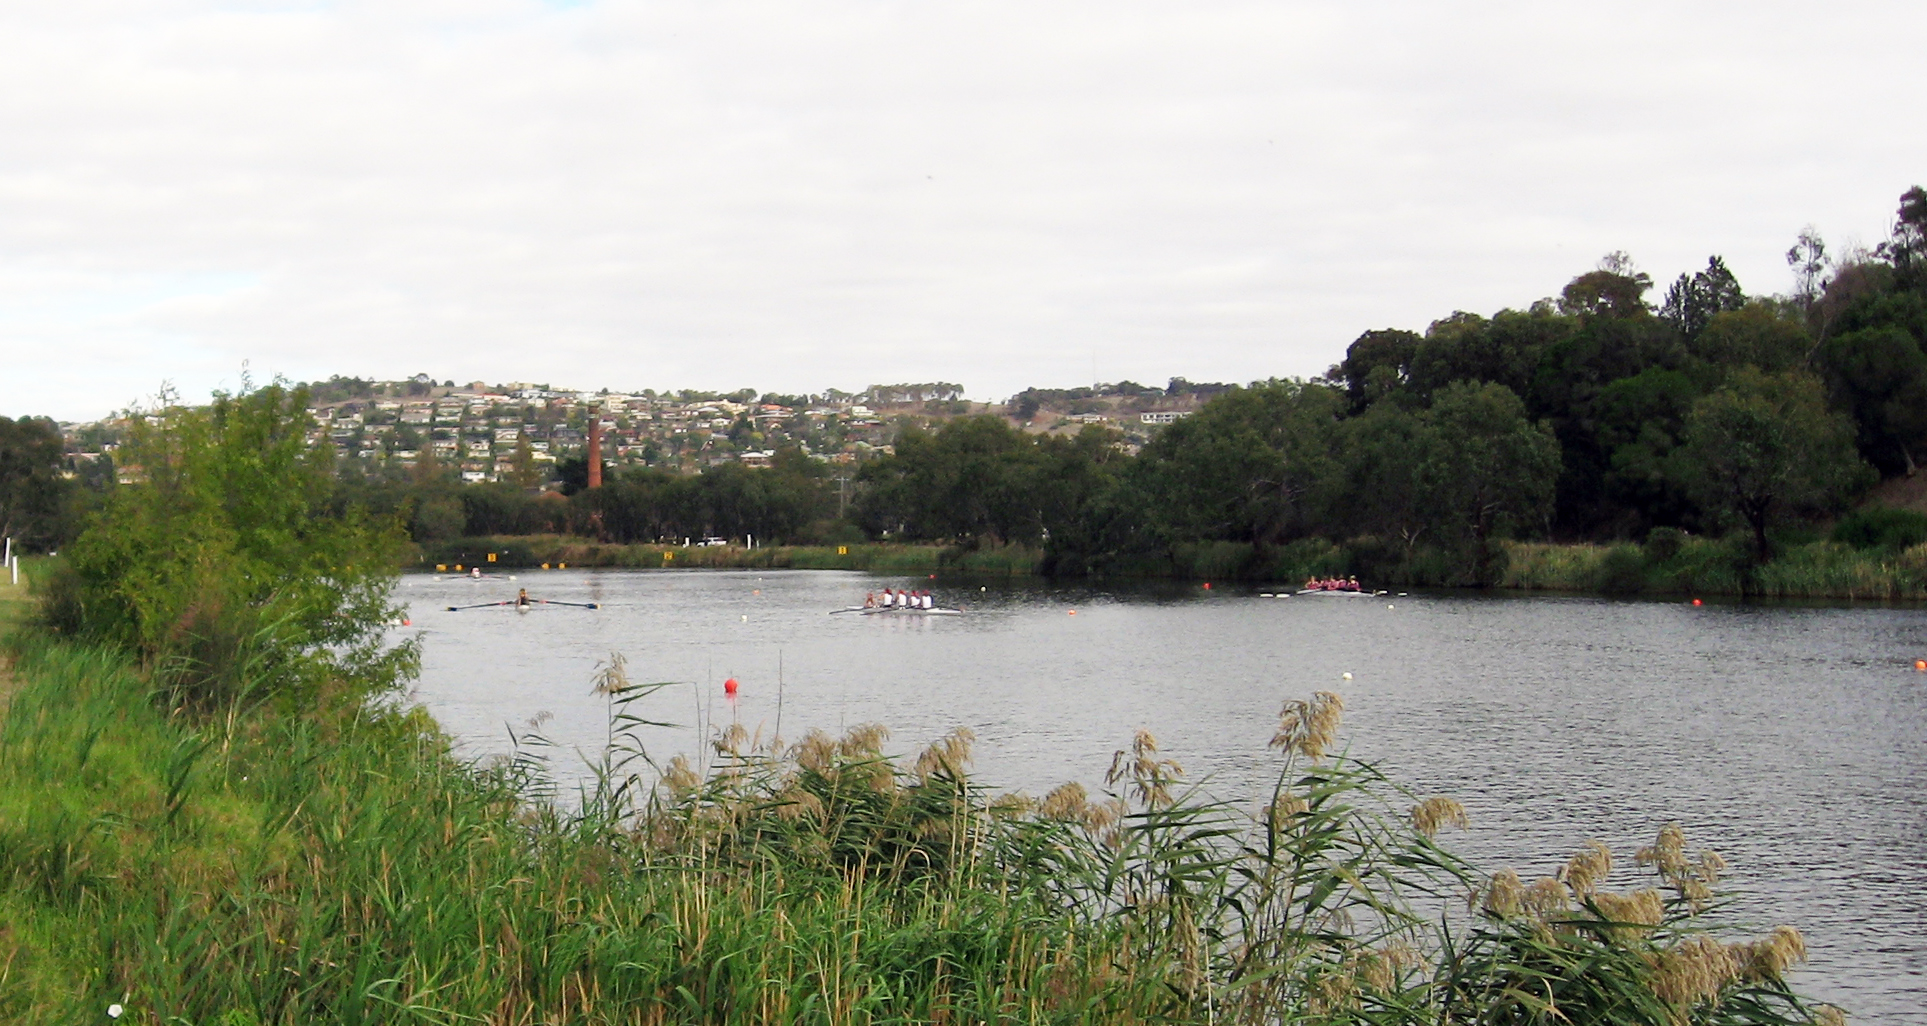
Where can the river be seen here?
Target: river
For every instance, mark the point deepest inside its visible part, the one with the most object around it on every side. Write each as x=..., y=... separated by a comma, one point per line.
x=1792, y=740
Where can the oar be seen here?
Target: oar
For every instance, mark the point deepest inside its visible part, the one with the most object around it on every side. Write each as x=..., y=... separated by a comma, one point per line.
x=559, y=602
x=479, y=605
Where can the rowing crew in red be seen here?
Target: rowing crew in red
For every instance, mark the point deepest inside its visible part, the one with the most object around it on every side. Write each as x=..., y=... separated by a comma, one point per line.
x=1333, y=584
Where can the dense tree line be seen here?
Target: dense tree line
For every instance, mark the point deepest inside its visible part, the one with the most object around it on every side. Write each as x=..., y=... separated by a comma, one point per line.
x=792, y=500
x=1594, y=415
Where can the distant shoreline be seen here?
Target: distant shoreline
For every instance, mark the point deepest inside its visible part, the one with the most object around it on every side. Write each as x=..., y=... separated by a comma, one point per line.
x=1699, y=567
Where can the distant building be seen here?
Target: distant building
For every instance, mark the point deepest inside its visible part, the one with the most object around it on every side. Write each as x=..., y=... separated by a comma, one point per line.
x=1164, y=416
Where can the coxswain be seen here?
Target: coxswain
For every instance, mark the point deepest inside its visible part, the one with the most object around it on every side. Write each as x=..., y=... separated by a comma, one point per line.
x=475, y=573
x=1352, y=585
x=870, y=600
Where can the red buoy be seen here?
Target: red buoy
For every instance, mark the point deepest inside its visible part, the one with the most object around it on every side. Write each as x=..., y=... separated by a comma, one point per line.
x=1696, y=602
x=729, y=687
x=1207, y=585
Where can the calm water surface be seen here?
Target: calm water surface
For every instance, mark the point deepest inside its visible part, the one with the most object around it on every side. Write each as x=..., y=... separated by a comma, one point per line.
x=1788, y=739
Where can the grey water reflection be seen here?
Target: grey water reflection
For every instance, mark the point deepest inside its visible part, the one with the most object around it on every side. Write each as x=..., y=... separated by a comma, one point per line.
x=1788, y=739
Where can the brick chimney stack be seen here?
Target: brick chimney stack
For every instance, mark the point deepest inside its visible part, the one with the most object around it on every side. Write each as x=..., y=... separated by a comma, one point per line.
x=595, y=448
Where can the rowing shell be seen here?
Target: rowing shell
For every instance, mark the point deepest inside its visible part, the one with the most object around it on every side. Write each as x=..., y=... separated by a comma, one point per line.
x=1340, y=594
x=913, y=611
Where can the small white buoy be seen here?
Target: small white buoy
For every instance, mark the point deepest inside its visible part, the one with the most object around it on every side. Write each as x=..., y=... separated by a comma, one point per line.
x=1388, y=605
x=1348, y=675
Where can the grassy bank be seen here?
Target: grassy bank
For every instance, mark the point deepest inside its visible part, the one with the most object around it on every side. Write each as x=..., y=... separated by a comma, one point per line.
x=1695, y=566
x=333, y=864
x=535, y=550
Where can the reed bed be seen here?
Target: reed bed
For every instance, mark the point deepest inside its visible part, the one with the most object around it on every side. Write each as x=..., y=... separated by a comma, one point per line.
x=334, y=864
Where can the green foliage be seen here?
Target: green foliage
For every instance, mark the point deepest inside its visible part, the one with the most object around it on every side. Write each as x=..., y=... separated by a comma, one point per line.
x=1664, y=543
x=1872, y=527
x=1694, y=300
x=1257, y=464
x=1622, y=571
x=977, y=479
x=728, y=501
x=34, y=499
x=1764, y=447
x=1880, y=376
x=1487, y=470
x=224, y=570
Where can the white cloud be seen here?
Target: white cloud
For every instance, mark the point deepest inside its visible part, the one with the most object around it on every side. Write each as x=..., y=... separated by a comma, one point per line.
x=799, y=196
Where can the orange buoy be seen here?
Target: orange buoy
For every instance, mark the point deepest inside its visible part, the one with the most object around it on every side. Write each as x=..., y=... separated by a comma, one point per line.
x=404, y=622
x=729, y=687
x=1696, y=602
x=1072, y=613
x=1921, y=665
x=1207, y=585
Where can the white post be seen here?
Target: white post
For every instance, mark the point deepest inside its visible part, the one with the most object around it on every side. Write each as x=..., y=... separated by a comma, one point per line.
x=9, y=557
x=16, y=570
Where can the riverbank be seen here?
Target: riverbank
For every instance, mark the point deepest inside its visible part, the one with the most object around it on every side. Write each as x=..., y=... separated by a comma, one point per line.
x=1668, y=564
x=1693, y=566
x=526, y=551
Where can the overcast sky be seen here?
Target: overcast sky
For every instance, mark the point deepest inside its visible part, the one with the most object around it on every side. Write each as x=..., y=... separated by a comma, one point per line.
x=795, y=196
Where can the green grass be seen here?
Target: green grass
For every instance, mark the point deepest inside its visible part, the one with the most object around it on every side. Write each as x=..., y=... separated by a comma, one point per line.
x=1716, y=567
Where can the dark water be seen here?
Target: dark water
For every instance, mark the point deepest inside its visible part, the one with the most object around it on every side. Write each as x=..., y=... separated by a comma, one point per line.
x=1788, y=739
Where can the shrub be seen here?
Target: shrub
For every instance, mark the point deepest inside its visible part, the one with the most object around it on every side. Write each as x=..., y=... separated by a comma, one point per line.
x=1663, y=543
x=222, y=570
x=1874, y=527
x=1621, y=571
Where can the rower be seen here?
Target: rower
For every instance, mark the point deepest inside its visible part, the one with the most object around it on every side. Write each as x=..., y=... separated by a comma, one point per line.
x=522, y=599
x=870, y=600
x=475, y=573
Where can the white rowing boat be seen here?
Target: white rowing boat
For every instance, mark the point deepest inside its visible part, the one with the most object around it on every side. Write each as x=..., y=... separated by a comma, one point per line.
x=912, y=611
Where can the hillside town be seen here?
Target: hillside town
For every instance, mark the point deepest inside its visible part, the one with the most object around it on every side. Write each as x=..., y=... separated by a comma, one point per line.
x=519, y=432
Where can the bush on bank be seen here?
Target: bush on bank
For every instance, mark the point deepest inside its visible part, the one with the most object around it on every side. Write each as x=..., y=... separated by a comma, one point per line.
x=222, y=571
